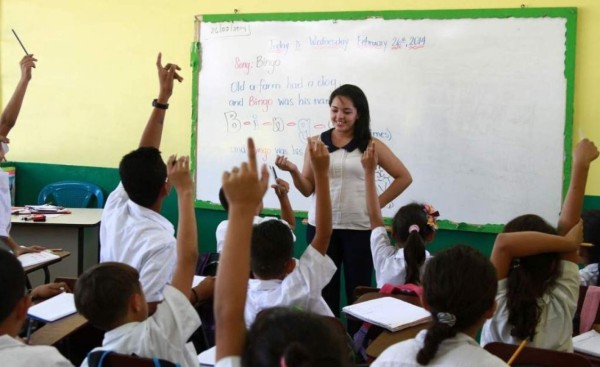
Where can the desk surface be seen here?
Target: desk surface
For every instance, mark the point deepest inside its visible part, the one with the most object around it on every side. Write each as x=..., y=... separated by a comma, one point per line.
x=79, y=217
x=52, y=333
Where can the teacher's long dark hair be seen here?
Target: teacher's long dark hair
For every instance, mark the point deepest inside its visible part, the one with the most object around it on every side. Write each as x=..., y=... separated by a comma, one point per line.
x=362, y=128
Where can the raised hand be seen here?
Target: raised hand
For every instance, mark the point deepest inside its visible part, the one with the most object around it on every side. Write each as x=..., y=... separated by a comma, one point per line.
x=166, y=75
x=282, y=187
x=319, y=156
x=178, y=173
x=369, y=158
x=284, y=164
x=585, y=152
x=27, y=62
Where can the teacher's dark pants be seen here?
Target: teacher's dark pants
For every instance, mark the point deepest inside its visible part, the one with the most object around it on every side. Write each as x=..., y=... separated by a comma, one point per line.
x=352, y=249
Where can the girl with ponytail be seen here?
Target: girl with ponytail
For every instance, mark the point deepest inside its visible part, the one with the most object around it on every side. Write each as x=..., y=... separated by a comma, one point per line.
x=538, y=276
x=459, y=286
x=414, y=225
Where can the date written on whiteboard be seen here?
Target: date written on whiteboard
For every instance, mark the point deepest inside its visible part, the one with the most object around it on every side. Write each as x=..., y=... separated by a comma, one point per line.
x=230, y=29
x=410, y=42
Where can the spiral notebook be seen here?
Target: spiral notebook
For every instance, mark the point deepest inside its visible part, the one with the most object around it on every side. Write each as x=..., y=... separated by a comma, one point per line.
x=389, y=313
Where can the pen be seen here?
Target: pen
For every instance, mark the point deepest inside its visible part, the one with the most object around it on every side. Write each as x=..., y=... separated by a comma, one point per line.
x=274, y=173
x=21, y=43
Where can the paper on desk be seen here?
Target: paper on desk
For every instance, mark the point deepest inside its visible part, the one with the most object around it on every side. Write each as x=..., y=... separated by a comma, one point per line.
x=588, y=343
x=388, y=312
x=36, y=258
x=54, y=308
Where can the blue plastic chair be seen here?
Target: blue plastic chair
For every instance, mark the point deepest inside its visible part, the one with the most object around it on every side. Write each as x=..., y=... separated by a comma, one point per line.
x=71, y=194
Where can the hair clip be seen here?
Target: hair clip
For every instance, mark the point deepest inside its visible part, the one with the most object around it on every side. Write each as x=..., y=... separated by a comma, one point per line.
x=432, y=215
x=446, y=318
x=414, y=228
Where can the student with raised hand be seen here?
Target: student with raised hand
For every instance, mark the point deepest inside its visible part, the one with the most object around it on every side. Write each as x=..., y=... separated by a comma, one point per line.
x=8, y=120
x=538, y=277
x=280, y=279
x=279, y=337
x=133, y=231
x=346, y=142
x=413, y=227
x=459, y=286
x=14, y=303
x=281, y=189
x=111, y=297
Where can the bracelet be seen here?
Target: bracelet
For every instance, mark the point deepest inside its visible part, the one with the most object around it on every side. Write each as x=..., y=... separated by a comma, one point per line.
x=196, y=296
x=162, y=106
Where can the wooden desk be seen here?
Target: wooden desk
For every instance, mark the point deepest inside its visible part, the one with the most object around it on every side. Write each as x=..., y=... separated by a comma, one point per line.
x=44, y=265
x=77, y=233
x=54, y=332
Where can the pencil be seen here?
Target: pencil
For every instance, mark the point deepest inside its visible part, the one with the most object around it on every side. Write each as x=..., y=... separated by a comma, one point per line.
x=517, y=352
x=21, y=43
x=274, y=173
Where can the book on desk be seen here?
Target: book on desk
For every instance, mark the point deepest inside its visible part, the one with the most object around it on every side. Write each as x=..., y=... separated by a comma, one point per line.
x=52, y=309
x=588, y=343
x=35, y=258
x=389, y=313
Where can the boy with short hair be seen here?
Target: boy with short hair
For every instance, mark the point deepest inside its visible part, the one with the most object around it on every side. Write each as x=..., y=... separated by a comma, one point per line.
x=281, y=280
x=14, y=303
x=111, y=297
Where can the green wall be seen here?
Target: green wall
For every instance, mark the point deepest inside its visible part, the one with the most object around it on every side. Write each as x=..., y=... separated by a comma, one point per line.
x=31, y=177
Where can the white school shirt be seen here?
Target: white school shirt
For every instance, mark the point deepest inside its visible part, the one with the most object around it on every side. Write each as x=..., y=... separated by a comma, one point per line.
x=301, y=288
x=14, y=353
x=389, y=262
x=347, y=189
x=589, y=275
x=461, y=350
x=230, y=361
x=555, y=328
x=163, y=335
x=5, y=207
x=222, y=229
x=141, y=238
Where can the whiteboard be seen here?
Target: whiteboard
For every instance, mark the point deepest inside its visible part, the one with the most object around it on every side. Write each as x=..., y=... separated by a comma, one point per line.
x=477, y=108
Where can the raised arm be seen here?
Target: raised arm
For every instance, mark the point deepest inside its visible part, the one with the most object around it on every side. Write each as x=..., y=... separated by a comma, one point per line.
x=369, y=163
x=396, y=169
x=287, y=213
x=319, y=159
x=9, y=116
x=509, y=246
x=244, y=189
x=585, y=152
x=153, y=132
x=178, y=171
x=303, y=181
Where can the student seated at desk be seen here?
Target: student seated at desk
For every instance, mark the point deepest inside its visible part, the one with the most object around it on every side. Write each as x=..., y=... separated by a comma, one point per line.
x=459, y=286
x=281, y=280
x=8, y=119
x=14, y=303
x=280, y=336
x=132, y=230
x=110, y=295
x=287, y=214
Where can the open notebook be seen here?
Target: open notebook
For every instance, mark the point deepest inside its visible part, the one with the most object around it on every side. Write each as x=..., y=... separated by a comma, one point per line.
x=54, y=308
x=588, y=343
x=389, y=313
x=36, y=258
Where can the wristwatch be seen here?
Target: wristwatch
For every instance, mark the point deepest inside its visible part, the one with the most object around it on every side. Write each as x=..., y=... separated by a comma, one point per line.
x=162, y=106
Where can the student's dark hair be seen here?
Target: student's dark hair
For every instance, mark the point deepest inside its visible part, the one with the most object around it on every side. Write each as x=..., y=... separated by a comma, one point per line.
x=459, y=285
x=272, y=246
x=102, y=293
x=12, y=283
x=143, y=174
x=413, y=243
x=591, y=234
x=529, y=278
x=362, y=129
x=223, y=200
x=301, y=338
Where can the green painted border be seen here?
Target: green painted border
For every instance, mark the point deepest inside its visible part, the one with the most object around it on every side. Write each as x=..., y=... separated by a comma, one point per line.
x=195, y=64
x=569, y=13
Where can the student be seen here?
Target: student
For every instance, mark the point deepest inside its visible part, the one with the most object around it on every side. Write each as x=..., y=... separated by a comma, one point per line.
x=590, y=256
x=414, y=225
x=459, y=286
x=111, y=297
x=538, y=277
x=8, y=120
x=133, y=231
x=278, y=337
x=281, y=189
x=14, y=303
x=281, y=280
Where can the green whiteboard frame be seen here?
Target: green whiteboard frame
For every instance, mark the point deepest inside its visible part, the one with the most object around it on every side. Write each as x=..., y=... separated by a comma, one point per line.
x=568, y=13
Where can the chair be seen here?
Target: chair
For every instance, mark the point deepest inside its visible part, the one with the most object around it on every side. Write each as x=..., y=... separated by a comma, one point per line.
x=71, y=194
x=531, y=356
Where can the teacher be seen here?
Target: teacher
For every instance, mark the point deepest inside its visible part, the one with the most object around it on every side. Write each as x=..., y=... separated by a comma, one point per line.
x=346, y=141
